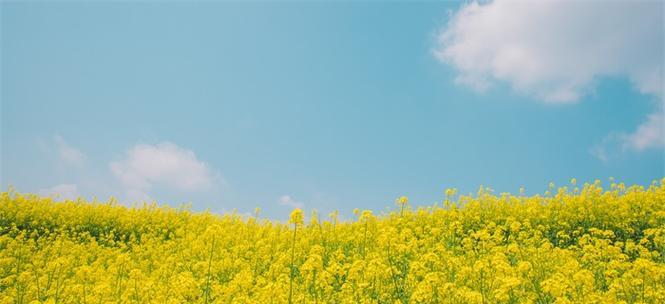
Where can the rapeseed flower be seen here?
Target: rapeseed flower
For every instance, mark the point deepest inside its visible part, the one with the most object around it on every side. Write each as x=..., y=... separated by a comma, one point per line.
x=580, y=245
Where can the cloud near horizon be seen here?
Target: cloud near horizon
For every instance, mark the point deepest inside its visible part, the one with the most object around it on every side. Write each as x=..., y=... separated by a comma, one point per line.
x=143, y=167
x=556, y=51
x=287, y=200
x=166, y=164
x=62, y=191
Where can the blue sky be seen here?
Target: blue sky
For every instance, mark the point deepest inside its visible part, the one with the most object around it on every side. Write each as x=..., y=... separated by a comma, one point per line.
x=326, y=105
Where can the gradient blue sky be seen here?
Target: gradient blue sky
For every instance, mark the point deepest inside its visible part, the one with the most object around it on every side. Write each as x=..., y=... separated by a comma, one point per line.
x=334, y=105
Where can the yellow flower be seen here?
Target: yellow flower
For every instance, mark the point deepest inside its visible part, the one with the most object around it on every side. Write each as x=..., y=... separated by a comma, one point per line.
x=590, y=245
x=296, y=217
x=366, y=215
x=403, y=200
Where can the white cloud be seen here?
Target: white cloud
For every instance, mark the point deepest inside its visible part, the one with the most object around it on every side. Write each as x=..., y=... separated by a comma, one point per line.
x=286, y=200
x=63, y=191
x=555, y=50
x=67, y=153
x=648, y=135
x=162, y=164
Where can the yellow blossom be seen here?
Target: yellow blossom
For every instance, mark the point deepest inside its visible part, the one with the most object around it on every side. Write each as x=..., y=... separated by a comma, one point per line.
x=296, y=217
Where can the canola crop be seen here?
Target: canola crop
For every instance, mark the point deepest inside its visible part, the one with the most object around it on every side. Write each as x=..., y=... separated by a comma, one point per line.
x=574, y=244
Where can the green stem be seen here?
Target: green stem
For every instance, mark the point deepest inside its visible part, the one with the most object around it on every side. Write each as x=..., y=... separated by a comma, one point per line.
x=293, y=254
x=207, y=289
x=364, y=241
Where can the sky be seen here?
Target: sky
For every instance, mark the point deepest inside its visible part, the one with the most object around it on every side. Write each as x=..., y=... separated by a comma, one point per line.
x=327, y=106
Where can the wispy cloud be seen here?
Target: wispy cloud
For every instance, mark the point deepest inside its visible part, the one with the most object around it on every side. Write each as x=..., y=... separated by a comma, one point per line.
x=68, y=154
x=136, y=196
x=650, y=134
x=287, y=200
x=62, y=191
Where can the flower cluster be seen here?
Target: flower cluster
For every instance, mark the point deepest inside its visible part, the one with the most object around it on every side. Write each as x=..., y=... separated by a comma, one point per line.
x=576, y=244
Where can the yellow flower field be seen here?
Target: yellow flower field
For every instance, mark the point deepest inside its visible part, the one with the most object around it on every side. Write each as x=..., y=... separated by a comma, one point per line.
x=575, y=244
